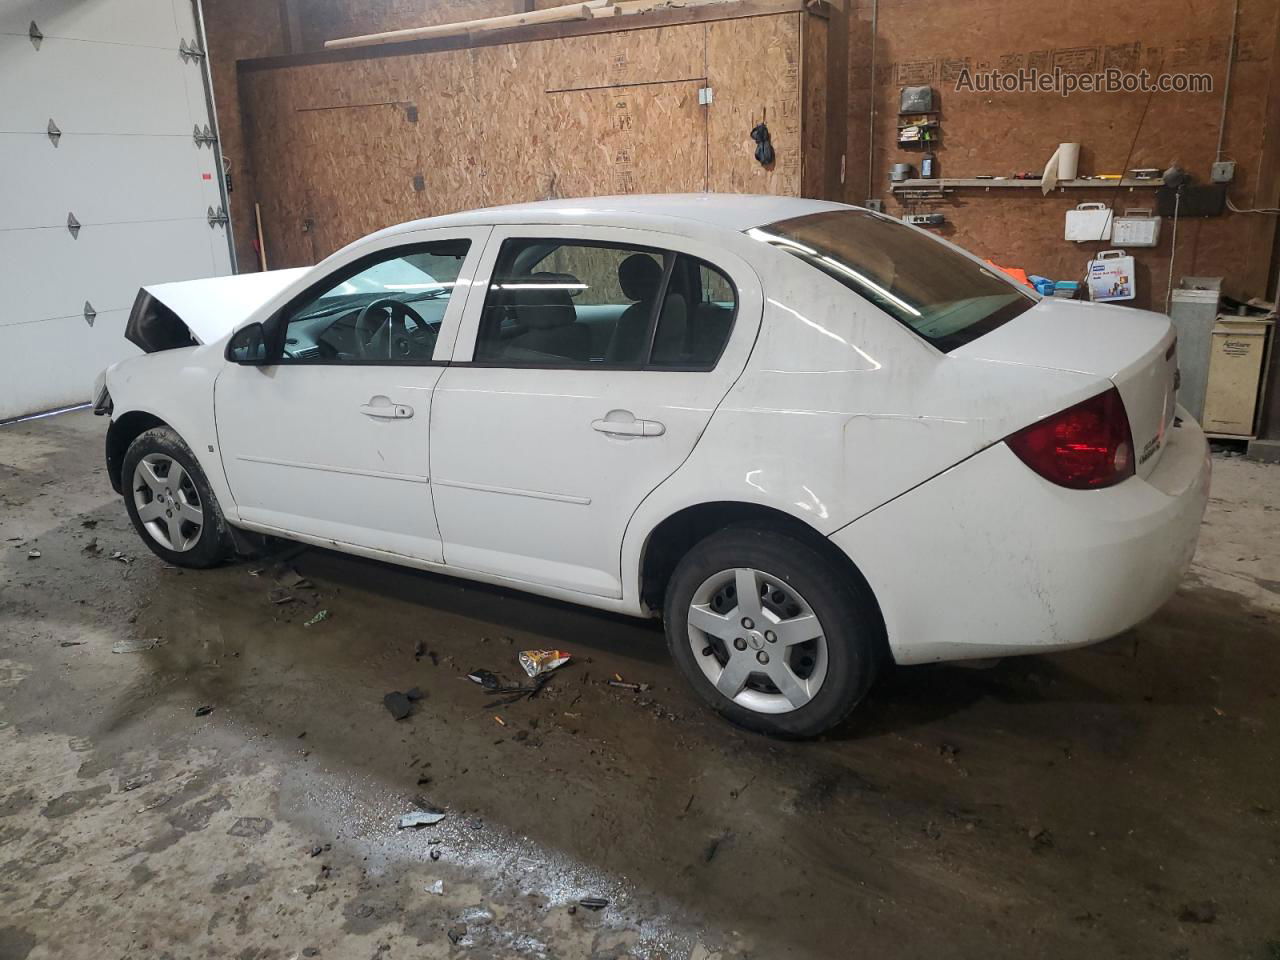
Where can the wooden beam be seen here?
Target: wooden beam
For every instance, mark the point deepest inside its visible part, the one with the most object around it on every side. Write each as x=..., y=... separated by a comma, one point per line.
x=572, y=11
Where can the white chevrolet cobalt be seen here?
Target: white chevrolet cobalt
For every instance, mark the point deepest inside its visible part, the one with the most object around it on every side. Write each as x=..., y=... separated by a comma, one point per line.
x=811, y=438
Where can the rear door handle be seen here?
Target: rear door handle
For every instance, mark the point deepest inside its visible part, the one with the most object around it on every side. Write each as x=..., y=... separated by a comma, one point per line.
x=616, y=425
x=386, y=410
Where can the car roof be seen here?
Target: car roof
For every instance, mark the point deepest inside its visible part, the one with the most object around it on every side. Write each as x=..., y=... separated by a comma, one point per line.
x=729, y=211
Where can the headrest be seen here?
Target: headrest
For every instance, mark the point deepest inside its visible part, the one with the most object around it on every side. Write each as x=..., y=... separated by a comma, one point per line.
x=639, y=276
x=545, y=307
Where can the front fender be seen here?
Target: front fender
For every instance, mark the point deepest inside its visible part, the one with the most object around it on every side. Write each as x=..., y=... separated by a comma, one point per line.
x=174, y=388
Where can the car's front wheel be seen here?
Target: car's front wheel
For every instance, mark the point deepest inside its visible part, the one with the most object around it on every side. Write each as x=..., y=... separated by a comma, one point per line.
x=769, y=634
x=170, y=502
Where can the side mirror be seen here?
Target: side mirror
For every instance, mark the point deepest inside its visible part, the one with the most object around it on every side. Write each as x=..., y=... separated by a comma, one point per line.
x=248, y=346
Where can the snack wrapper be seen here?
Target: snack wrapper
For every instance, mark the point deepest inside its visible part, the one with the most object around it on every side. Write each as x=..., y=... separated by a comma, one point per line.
x=538, y=662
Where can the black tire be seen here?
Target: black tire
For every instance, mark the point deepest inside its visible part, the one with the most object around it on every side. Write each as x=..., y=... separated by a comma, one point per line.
x=847, y=615
x=214, y=543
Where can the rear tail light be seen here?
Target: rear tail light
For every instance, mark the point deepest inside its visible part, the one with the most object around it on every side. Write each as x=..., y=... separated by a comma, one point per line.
x=1083, y=447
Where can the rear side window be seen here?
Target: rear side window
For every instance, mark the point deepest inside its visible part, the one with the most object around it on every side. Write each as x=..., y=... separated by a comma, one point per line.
x=940, y=294
x=558, y=303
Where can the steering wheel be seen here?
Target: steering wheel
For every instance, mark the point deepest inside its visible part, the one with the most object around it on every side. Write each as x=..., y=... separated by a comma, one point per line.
x=390, y=338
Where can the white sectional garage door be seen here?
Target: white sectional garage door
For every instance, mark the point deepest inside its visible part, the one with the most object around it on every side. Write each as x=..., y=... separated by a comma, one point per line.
x=99, y=103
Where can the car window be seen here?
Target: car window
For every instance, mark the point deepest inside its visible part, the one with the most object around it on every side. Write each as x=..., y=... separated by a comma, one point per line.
x=589, y=304
x=386, y=308
x=697, y=316
x=942, y=295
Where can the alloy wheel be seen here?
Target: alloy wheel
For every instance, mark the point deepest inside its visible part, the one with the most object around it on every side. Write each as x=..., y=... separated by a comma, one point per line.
x=757, y=640
x=168, y=502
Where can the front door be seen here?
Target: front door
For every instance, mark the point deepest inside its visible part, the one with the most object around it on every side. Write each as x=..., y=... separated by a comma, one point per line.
x=333, y=440
x=582, y=379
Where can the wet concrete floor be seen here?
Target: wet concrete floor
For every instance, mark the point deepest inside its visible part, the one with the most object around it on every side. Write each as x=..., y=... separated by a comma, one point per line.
x=1120, y=801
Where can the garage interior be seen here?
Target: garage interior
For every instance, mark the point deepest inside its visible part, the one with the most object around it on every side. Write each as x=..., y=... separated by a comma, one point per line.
x=206, y=765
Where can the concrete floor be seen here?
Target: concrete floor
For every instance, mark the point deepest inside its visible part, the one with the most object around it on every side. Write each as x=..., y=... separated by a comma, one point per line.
x=1121, y=801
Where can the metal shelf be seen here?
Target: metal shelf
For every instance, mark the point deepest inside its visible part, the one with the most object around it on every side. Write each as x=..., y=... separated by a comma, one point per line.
x=946, y=183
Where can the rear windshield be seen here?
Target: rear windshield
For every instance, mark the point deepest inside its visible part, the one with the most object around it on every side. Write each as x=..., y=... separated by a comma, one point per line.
x=942, y=295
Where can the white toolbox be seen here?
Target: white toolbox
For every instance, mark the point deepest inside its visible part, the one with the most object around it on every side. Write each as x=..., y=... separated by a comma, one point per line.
x=1135, y=228
x=1089, y=221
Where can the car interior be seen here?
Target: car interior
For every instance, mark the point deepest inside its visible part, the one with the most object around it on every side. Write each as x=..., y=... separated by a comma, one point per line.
x=551, y=303
x=583, y=304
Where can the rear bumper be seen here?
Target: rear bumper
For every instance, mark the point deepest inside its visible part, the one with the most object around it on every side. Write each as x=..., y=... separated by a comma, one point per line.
x=988, y=559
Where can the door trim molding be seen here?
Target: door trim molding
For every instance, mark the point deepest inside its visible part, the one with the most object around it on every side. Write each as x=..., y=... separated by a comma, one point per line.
x=515, y=492
x=378, y=474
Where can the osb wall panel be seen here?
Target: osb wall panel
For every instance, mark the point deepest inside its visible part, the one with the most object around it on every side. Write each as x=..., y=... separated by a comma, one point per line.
x=237, y=30
x=1002, y=133
x=754, y=68
x=250, y=29
x=637, y=56
x=649, y=139
x=336, y=150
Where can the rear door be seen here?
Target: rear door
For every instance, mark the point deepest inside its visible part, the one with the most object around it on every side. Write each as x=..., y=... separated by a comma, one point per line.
x=582, y=378
x=333, y=441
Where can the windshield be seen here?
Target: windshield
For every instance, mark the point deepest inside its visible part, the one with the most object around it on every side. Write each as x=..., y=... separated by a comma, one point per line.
x=942, y=295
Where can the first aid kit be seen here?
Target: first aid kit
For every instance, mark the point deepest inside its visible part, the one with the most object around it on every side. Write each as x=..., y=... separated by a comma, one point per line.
x=1110, y=276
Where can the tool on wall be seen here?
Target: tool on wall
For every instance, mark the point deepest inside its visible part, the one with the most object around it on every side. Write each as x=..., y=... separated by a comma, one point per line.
x=764, y=144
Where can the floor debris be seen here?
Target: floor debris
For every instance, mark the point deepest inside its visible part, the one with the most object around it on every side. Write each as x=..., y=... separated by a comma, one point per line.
x=457, y=933
x=420, y=818
x=539, y=662
x=133, y=783
x=33, y=554
x=397, y=705
x=318, y=618
x=137, y=646
x=436, y=887
x=279, y=595
x=204, y=710
x=594, y=903
x=633, y=687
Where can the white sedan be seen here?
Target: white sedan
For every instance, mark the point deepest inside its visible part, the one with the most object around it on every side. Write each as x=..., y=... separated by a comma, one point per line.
x=811, y=438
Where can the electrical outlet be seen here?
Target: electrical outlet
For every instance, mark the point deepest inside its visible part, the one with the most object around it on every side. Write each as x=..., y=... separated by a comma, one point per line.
x=876, y=206
x=1224, y=171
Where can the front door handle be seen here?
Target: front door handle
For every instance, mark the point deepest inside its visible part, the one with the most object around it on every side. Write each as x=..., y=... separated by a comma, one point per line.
x=384, y=409
x=622, y=423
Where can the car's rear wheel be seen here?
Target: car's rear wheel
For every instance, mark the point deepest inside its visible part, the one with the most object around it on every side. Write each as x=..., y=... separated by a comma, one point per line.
x=170, y=502
x=769, y=634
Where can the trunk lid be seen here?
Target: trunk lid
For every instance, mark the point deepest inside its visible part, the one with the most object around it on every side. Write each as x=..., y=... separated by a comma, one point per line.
x=170, y=315
x=1134, y=349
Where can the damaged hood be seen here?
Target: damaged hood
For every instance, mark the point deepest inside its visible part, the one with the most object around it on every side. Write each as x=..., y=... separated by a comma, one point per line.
x=170, y=315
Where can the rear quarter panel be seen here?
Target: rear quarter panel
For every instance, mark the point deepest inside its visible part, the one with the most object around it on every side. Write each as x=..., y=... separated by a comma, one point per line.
x=840, y=409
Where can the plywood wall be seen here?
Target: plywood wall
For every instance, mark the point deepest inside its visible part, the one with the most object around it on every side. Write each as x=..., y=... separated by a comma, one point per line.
x=338, y=149
x=921, y=42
